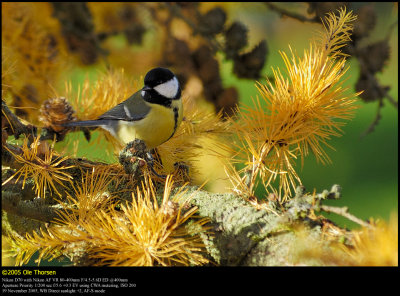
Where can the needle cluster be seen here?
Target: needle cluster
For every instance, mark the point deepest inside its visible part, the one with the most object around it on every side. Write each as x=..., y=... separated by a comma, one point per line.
x=43, y=164
x=296, y=114
x=143, y=232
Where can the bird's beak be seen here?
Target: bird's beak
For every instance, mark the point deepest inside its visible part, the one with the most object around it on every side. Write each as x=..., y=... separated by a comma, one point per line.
x=146, y=88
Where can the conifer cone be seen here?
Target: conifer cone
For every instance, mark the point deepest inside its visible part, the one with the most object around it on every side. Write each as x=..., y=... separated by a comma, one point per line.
x=56, y=111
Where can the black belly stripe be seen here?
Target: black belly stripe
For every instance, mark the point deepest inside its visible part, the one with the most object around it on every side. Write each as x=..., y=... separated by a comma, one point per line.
x=176, y=114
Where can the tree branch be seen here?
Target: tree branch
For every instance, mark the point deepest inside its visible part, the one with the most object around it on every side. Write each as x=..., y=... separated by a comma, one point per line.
x=14, y=126
x=33, y=209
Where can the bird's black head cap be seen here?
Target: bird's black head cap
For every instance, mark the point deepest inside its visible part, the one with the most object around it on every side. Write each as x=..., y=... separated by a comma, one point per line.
x=157, y=76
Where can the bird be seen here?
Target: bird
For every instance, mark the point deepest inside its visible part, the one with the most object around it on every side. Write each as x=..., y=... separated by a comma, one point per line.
x=152, y=114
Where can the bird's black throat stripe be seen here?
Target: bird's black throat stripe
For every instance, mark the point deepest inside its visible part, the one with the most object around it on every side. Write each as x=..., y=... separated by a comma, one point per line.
x=154, y=97
x=176, y=114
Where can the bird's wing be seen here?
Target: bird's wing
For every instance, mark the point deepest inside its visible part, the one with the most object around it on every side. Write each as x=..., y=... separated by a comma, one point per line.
x=132, y=109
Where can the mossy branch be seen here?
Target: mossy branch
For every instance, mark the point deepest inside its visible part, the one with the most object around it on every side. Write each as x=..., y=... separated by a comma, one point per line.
x=36, y=209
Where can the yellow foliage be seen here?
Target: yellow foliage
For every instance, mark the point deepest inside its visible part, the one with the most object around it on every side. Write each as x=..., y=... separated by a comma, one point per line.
x=376, y=246
x=93, y=99
x=41, y=163
x=141, y=233
x=295, y=115
x=31, y=49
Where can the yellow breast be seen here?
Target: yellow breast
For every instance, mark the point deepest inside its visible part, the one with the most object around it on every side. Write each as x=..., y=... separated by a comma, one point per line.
x=156, y=128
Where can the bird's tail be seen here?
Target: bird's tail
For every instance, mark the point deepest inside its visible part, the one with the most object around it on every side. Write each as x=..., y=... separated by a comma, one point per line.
x=85, y=123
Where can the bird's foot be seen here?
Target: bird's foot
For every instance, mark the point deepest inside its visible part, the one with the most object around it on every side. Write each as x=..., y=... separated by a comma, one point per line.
x=135, y=156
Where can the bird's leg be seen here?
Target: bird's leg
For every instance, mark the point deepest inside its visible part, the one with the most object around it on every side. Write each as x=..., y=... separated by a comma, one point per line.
x=135, y=155
x=150, y=162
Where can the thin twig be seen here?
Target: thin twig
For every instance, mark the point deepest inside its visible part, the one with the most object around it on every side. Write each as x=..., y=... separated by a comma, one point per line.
x=383, y=92
x=344, y=212
x=376, y=120
x=287, y=13
x=392, y=100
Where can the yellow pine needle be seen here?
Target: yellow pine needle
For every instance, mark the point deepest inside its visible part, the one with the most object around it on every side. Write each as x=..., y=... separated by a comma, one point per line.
x=152, y=236
x=317, y=99
x=3, y=113
x=337, y=32
x=93, y=99
x=90, y=195
x=44, y=167
x=119, y=176
x=377, y=245
x=33, y=43
x=21, y=249
x=186, y=145
x=51, y=243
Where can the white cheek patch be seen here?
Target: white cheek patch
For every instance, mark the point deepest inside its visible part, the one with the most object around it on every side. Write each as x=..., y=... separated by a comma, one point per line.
x=168, y=89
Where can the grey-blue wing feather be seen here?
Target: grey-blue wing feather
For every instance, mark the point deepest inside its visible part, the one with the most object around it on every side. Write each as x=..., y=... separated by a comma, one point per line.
x=132, y=109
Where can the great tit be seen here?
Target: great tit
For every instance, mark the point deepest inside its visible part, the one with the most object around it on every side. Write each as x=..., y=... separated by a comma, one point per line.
x=152, y=114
